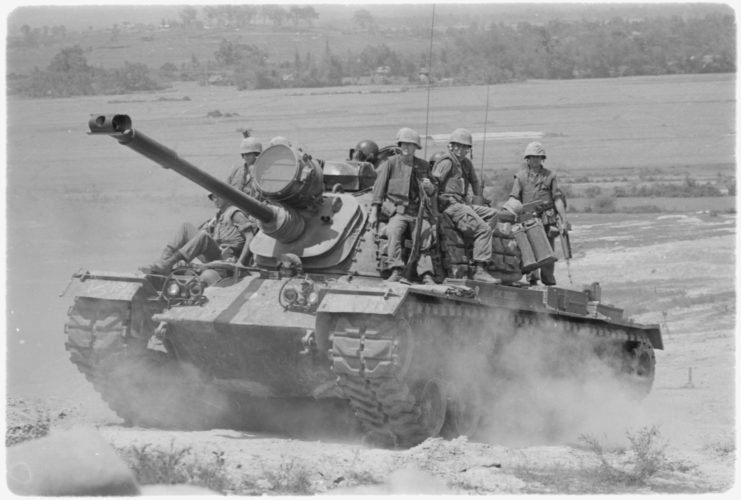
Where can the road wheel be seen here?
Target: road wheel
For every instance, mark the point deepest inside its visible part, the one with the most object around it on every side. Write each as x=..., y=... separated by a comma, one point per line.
x=433, y=404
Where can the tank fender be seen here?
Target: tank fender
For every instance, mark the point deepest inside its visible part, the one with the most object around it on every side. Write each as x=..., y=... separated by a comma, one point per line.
x=360, y=300
x=110, y=286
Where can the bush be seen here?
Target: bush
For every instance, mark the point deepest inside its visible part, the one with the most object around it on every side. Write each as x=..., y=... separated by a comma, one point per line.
x=604, y=204
x=154, y=466
x=646, y=459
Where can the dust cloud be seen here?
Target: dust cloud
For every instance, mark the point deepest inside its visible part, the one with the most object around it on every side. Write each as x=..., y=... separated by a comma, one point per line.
x=542, y=385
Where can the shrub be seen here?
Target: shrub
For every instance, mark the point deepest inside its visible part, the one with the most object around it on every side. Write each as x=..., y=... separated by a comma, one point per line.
x=154, y=466
x=291, y=477
x=604, y=204
x=646, y=458
x=37, y=428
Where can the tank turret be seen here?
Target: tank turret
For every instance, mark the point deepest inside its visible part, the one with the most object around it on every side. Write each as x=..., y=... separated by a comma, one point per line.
x=300, y=218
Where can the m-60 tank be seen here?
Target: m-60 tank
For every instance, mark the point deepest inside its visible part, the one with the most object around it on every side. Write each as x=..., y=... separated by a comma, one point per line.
x=311, y=319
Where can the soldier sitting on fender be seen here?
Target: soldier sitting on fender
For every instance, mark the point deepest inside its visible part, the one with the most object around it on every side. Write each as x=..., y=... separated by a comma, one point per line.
x=225, y=237
x=398, y=181
x=534, y=183
x=454, y=173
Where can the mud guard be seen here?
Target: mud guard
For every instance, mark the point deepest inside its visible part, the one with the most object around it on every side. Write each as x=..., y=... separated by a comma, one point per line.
x=356, y=300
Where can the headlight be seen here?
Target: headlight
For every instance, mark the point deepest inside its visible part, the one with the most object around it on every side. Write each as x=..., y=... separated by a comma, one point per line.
x=173, y=289
x=290, y=295
x=195, y=288
x=313, y=298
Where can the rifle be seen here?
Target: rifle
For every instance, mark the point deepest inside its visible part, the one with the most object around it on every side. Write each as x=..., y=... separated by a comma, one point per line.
x=534, y=209
x=424, y=202
x=563, y=233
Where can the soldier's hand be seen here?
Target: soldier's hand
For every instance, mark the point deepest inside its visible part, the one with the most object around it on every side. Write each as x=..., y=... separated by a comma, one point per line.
x=227, y=252
x=428, y=186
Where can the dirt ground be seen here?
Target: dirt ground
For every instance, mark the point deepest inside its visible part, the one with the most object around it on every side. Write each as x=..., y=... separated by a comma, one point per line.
x=676, y=270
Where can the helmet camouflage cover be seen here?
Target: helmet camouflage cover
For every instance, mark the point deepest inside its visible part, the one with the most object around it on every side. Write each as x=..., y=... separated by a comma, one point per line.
x=534, y=149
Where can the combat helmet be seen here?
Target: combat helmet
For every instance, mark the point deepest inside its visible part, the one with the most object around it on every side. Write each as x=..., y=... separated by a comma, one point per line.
x=366, y=150
x=250, y=145
x=279, y=139
x=461, y=136
x=409, y=135
x=534, y=149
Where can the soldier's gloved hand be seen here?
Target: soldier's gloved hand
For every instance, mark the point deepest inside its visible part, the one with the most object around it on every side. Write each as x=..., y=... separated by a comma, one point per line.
x=227, y=252
x=428, y=186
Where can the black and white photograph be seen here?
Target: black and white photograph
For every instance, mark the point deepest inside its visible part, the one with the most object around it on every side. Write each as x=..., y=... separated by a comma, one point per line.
x=370, y=248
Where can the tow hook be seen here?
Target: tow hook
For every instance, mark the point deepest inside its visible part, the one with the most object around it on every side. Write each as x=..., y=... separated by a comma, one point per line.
x=161, y=331
x=308, y=341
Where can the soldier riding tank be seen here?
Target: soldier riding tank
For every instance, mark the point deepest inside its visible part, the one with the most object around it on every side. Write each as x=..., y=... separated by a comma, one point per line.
x=312, y=319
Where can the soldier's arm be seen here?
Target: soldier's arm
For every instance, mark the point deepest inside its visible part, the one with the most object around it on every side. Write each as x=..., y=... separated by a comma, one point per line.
x=441, y=170
x=379, y=186
x=248, y=230
x=477, y=187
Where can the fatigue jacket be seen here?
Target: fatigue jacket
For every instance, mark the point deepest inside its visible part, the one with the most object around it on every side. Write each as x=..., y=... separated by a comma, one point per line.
x=399, y=183
x=454, y=177
x=227, y=227
x=241, y=178
x=532, y=186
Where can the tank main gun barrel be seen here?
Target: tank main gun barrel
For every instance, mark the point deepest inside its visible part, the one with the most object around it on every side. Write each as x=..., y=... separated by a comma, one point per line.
x=283, y=224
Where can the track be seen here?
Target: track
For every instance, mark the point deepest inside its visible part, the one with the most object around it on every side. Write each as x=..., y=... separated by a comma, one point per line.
x=143, y=386
x=405, y=380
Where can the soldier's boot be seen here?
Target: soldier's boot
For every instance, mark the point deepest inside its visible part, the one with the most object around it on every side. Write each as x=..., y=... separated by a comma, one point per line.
x=427, y=279
x=395, y=275
x=164, y=264
x=483, y=275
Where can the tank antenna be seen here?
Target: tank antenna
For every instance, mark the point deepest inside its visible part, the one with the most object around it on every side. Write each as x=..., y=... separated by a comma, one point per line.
x=429, y=80
x=486, y=121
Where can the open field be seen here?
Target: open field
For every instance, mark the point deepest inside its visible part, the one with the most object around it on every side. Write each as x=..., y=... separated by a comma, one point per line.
x=79, y=201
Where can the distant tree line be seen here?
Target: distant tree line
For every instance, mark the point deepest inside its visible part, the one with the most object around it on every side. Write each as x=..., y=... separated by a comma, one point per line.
x=69, y=74
x=495, y=53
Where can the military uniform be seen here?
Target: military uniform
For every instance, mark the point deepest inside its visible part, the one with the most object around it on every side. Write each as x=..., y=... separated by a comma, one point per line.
x=241, y=178
x=454, y=177
x=399, y=183
x=225, y=229
x=540, y=185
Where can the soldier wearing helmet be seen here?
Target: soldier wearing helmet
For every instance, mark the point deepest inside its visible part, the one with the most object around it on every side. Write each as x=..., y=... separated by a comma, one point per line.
x=366, y=151
x=455, y=174
x=241, y=176
x=279, y=139
x=243, y=179
x=535, y=183
x=399, y=181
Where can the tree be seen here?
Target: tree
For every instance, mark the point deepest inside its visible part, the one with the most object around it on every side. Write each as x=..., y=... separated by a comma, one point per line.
x=302, y=14
x=188, y=15
x=69, y=60
x=364, y=20
x=275, y=14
